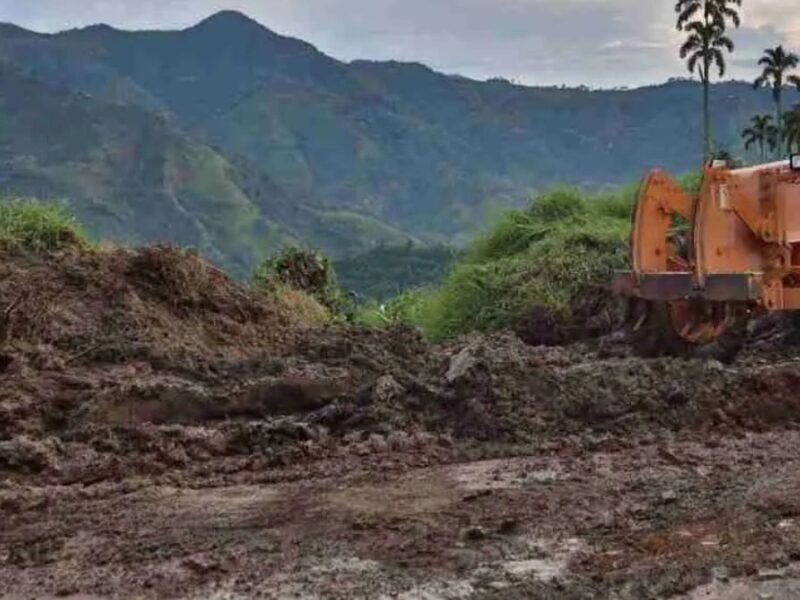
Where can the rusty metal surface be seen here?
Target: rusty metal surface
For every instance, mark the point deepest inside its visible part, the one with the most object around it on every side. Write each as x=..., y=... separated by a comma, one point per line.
x=670, y=287
x=743, y=243
x=660, y=199
x=732, y=287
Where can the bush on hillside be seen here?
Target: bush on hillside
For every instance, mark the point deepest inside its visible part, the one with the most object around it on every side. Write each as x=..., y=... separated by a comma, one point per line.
x=548, y=258
x=304, y=270
x=38, y=227
x=405, y=308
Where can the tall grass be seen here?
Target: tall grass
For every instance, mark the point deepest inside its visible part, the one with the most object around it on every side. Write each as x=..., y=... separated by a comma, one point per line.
x=545, y=256
x=37, y=226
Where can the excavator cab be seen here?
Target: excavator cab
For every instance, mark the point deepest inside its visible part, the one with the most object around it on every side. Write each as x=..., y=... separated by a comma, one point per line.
x=702, y=264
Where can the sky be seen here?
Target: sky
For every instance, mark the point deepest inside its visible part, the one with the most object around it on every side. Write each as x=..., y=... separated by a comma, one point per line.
x=599, y=43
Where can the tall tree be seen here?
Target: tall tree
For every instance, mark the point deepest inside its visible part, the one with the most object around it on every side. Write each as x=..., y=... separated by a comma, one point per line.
x=761, y=132
x=777, y=62
x=705, y=23
x=791, y=129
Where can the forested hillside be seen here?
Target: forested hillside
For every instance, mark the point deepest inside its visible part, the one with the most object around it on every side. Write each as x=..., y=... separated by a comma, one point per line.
x=251, y=138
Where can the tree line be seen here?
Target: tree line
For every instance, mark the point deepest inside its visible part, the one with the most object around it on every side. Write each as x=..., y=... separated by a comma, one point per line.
x=706, y=23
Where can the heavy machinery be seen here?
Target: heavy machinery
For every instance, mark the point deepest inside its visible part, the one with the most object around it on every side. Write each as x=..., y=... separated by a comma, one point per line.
x=702, y=265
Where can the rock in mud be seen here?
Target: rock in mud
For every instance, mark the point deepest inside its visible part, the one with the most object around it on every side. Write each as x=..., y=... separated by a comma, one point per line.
x=387, y=390
x=462, y=364
x=26, y=455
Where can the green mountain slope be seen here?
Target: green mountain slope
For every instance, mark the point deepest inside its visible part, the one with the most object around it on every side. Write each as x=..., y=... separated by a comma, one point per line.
x=356, y=152
x=129, y=175
x=126, y=173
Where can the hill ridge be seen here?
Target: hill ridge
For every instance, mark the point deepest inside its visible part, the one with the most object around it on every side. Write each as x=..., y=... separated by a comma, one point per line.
x=385, y=146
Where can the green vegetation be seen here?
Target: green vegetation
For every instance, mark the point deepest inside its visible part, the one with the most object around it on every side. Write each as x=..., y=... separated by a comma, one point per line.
x=761, y=133
x=777, y=62
x=339, y=156
x=387, y=271
x=551, y=255
x=303, y=270
x=705, y=23
x=409, y=307
x=546, y=256
x=792, y=129
x=37, y=226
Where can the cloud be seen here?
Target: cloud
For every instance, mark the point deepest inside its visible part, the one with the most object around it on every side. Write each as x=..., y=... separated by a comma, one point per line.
x=780, y=16
x=594, y=42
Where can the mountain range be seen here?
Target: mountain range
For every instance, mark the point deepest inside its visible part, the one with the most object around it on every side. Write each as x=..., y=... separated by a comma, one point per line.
x=236, y=140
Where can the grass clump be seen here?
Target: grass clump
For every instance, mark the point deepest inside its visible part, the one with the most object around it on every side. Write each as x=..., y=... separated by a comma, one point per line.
x=307, y=272
x=408, y=307
x=564, y=245
x=299, y=269
x=38, y=227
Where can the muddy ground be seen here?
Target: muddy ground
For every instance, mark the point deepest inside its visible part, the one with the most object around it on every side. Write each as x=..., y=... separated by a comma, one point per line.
x=165, y=433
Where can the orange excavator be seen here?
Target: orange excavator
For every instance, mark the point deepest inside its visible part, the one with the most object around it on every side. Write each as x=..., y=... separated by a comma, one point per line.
x=702, y=265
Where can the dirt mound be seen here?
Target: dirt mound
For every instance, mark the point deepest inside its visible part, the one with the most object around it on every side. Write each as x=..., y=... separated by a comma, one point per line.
x=95, y=304
x=366, y=391
x=596, y=312
x=166, y=430
x=122, y=362
x=501, y=389
x=84, y=326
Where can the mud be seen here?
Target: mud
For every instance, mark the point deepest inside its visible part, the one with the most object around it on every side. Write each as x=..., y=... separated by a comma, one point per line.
x=165, y=432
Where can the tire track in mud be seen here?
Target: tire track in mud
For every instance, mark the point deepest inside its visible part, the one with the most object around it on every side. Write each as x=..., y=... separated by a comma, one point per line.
x=656, y=519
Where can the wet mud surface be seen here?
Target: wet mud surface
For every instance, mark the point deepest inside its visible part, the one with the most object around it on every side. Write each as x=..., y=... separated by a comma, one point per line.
x=158, y=440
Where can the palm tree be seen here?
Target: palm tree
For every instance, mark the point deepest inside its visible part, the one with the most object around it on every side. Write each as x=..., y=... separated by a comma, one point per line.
x=761, y=133
x=791, y=128
x=777, y=62
x=773, y=139
x=705, y=22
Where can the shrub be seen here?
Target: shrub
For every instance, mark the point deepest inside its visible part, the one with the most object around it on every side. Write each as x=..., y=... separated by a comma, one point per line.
x=547, y=256
x=308, y=271
x=405, y=308
x=38, y=226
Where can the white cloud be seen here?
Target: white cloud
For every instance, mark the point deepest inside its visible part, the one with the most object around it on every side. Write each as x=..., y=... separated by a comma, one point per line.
x=779, y=15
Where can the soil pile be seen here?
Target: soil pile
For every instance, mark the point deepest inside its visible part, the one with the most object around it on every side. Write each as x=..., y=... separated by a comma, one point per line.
x=111, y=304
x=126, y=362
x=165, y=432
x=80, y=325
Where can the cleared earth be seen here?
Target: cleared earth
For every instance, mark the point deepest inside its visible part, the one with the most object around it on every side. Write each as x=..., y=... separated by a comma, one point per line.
x=165, y=433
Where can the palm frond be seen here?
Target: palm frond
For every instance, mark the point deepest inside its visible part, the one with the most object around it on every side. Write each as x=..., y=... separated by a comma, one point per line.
x=691, y=64
x=718, y=58
x=692, y=43
x=686, y=13
x=724, y=41
x=731, y=14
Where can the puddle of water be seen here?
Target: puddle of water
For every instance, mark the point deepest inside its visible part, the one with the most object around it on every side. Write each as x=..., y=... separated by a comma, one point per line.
x=346, y=565
x=550, y=562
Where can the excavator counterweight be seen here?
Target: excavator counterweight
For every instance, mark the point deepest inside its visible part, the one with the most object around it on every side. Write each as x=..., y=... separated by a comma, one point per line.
x=701, y=264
